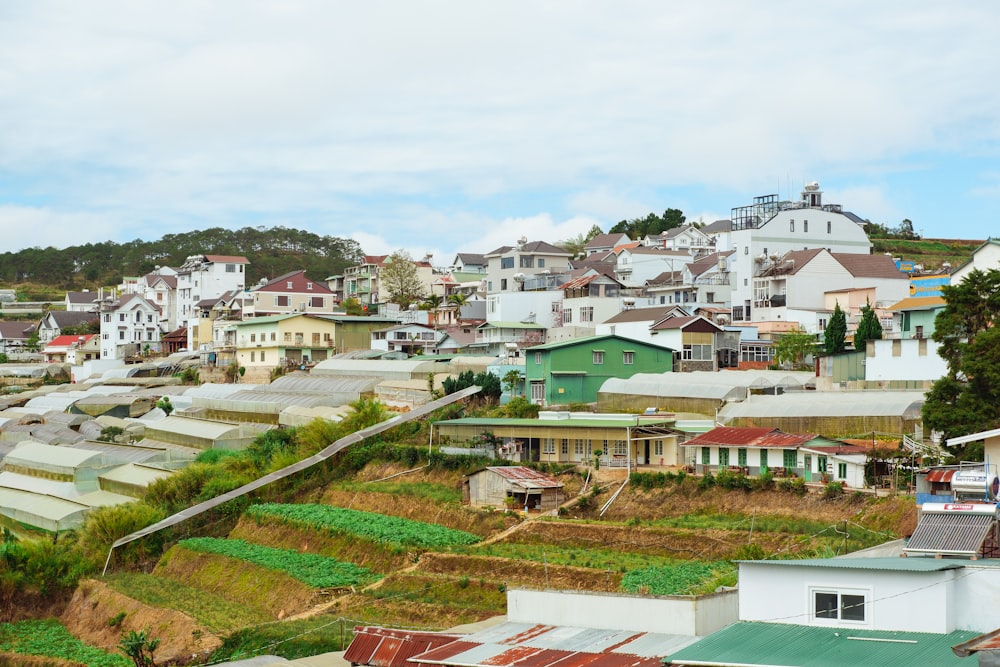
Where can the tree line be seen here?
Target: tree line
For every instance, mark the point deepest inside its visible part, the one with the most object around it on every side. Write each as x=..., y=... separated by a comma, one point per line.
x=272, y=252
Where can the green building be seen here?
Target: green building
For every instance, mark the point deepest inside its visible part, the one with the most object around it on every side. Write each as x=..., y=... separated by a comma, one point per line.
x=572, y=371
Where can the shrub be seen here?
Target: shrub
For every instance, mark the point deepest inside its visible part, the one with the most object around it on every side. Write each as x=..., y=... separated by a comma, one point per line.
x=520, y=407
x=833, y=490
x=764, y=482
x=728, y=479
x=707, y=480
x=795, y=485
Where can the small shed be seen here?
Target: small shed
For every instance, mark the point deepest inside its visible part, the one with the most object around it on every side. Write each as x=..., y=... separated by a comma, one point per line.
x=529, y=488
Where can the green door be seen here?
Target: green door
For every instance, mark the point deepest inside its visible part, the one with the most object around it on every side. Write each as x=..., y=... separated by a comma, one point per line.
x=807, y=465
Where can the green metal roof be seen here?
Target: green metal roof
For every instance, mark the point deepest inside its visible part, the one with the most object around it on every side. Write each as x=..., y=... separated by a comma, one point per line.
x=754, y=643
x=897, y=564
x=500, y=421
x=594, y=339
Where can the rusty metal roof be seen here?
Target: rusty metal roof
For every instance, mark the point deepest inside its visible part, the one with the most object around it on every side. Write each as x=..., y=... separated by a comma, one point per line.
x=526, y=477
x=537, y=645
x=750, y=436
x=385, y=647
x=939, y=475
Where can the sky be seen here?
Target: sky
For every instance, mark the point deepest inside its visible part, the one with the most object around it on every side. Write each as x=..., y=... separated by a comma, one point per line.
x=447, y=126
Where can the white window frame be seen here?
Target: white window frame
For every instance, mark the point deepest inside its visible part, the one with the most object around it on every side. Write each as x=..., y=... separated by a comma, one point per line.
x=839, y=620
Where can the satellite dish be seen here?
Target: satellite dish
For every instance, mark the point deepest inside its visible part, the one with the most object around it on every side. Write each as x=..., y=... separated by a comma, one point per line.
x=813, y=186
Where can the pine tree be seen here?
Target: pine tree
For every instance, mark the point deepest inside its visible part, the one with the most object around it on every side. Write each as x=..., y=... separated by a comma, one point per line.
x=868, y=329
x=836, y=332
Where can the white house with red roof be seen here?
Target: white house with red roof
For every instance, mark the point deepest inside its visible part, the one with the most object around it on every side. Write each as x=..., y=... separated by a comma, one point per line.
x=204, y=277
x=130, y=326
x=752, y=450
x=73, y=349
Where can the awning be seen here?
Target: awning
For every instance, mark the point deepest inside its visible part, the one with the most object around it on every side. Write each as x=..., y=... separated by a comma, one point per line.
x=939, y=475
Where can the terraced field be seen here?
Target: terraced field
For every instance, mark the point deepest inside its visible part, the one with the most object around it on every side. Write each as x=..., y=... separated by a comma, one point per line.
x=411, y=555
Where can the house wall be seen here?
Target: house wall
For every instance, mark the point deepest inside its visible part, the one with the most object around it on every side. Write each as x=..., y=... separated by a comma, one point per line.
x=985, y=258
x=775, y=459
x=674, y=615
x=907, y=601
x=571, y=376
x=520, y=306
x=911, y=359
x=306, y=337
x=911, y=319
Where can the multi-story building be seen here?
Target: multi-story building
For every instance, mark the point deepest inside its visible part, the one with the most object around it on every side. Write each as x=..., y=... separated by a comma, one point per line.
x=130, y=326
x=205, y=277
x=768, y=229
x=292, y=293
x=509, y=269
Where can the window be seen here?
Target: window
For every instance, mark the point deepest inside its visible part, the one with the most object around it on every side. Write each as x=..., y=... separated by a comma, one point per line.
x=805, y=226
x=741, y=456
x=315, y=338
x=830, y=605
x=698, y=352
x=919, y=333
x=253, y=356
x=754, y=352
x=822, y=324
x=262, y=355
x=281, y=300
x=548, y=446
x=628, y=358
x=587, y=314
x=288, y=284
x=274, y=336
x=288, y=337
x=791, y=225
x=657, y=448
x=564, y=446
x=309, y=286
x=621, y=447
x=506, y=262
x=789, y=458
x=746, y=250
x=316, y=302
x=567, y=316
x=503, y=284
x=598, y=357
x=527, y=262
x=538, y=357
x=841, y=471
x=578, y=447
x=763, y=460
x=723, y=456
x=230, y=268
x=829, y=227
x=541, y=263
x=253, y=338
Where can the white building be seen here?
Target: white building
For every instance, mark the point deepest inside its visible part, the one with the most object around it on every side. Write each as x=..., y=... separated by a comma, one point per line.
x=768, y=229
x=206, y=277
x=129, y=326
x=509, y=268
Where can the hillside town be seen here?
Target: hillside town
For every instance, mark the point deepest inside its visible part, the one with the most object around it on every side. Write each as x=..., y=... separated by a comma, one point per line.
x=771, y=350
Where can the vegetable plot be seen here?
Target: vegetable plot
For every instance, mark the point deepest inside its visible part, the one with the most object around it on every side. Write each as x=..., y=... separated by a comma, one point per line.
x=311, y=569
x=688, y=578
x=50, y=639
x=368, y=525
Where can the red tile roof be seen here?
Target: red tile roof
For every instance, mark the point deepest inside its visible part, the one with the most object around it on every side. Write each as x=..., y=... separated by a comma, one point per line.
x=68, y=340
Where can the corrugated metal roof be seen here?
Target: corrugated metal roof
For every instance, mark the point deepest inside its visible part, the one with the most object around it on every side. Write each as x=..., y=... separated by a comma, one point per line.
x=985, y=642
x=911, y=564
x=385, y=647
x=902, y=404
x=538, y=645
x=941, y=475
x=526, y=477
x=750, y=437
x=753, y=643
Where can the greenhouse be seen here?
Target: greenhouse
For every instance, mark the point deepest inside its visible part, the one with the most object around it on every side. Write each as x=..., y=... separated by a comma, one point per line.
x=699, y=392
x=409, y=369
x=203, y=433
x=49, y=434
x=831, y=413
x=132, y=479
x=45, y=512
x=116, y=405
x=299, y=416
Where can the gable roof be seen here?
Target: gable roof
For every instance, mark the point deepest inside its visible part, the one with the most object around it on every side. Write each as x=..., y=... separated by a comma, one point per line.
x=707, y=263
x=299, y=282
x=695, y=322
x=792, y=262
x=718, y=227
x=69, y=318
x=470, y=258
x=15, y=330
x=750, y=436
x=227, y=259
x=869, y=266
x=153, y=278
x=69, y=340
x=81, y=298
x=526, y=477
x=607, y=241
x=589, y=340
x=531, y=247
x=653, y=314
x=919, y=303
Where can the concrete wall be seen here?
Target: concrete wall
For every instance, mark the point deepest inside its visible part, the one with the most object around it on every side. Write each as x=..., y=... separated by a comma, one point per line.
x=675, y=615
x=911, y=359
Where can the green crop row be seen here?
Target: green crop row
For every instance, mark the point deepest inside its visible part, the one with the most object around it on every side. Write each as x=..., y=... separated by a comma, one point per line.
x=311, y=569
x=50, y=639
x=686, y=578
x=368, y=525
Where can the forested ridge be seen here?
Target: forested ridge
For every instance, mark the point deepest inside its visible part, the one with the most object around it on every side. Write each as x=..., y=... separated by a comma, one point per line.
x=271, y=251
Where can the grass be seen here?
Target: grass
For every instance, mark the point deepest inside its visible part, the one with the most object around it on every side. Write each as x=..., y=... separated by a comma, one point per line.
x=437, y=493
x=289, y=639
x=599, y=559
x=687, y=578
x=477, y=595
x=50, y=639
x=214, y=612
